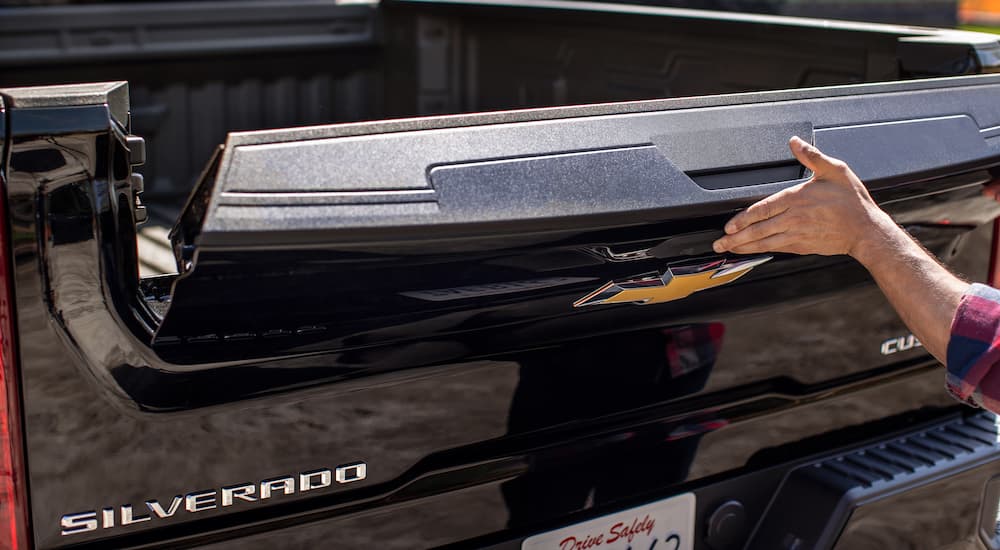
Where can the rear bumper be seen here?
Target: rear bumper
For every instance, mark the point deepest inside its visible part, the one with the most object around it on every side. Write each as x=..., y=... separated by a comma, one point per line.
x=924, y=490
x=936, y=487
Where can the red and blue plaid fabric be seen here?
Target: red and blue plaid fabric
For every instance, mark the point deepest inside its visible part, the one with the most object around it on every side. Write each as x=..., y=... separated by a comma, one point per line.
x=974, y=349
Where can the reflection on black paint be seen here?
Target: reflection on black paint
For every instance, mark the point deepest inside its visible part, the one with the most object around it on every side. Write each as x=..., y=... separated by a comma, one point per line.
x=70, y=215
x=37, y=160
x=604, y=376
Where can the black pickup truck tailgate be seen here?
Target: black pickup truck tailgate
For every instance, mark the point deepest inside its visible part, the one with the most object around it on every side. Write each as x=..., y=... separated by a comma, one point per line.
x=396, y=232
x=422, y=332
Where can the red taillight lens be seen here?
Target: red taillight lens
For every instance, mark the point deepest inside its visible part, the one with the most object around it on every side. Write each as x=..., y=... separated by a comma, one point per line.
x=13, y=497
x=994, y=273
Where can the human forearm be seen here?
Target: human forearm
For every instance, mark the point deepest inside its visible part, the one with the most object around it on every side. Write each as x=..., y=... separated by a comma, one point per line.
x=923, y=292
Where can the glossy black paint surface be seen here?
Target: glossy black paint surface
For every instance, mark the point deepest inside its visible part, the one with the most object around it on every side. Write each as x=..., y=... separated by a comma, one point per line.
x=471, y=438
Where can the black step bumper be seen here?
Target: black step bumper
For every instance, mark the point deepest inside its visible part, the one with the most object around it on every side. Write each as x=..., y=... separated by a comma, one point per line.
x=928, y=489
x=934, y=487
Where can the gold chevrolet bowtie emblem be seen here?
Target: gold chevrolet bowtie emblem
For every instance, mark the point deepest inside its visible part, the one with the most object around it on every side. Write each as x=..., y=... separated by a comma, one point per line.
x=676, y=283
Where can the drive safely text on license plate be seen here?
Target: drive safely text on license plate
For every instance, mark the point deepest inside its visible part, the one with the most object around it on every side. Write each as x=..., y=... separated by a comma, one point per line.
x=664, y=525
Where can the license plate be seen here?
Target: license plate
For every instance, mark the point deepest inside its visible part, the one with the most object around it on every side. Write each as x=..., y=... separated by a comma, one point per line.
x=664, y=525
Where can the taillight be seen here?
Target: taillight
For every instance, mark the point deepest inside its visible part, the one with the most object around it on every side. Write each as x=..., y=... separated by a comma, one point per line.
x=13, y=496
x=993, y=279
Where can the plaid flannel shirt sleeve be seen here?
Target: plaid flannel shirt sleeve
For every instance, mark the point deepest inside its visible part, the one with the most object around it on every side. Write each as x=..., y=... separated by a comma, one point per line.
x=974, y=349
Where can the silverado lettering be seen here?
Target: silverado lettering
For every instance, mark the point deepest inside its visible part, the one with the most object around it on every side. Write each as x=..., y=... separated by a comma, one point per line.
x=200, y=501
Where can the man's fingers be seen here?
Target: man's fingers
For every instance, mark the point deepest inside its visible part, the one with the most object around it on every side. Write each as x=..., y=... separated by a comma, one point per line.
x=992, y=190
x=751, y=233
x=780, y=242
x=759, y=211
x=812, y=158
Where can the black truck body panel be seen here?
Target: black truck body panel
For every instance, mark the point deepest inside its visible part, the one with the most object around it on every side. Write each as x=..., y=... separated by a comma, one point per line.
x=410, y=295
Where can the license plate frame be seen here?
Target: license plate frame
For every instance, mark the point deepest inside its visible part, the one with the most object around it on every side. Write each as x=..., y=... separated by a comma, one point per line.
x=666, y=524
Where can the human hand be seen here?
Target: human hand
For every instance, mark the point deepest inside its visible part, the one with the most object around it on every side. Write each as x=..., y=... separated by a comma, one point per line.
x=992, y=190
x=832, y=213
